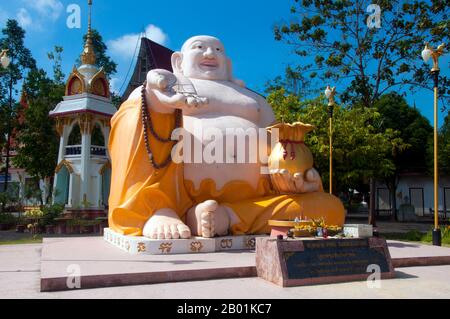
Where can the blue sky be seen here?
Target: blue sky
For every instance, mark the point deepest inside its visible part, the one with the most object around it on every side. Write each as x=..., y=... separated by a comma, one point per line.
x=244, y=26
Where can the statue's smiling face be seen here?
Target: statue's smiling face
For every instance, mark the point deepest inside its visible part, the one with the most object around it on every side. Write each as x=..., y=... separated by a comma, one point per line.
x=203, y=57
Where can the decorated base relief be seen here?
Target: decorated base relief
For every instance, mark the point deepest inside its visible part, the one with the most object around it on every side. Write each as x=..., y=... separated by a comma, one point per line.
x=144, y=245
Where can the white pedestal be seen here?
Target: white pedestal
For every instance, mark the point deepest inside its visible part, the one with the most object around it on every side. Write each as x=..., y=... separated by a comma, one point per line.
x=144, y=245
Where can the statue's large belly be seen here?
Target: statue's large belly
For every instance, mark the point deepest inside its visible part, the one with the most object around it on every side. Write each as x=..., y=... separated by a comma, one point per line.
x=239, y=160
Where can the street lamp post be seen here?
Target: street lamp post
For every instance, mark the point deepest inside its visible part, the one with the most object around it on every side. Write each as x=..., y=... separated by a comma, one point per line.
x=330, y=93
x=428, y=53
x=5, y=61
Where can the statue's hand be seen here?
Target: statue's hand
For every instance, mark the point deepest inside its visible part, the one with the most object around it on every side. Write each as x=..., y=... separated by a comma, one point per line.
x=160, y=79
x=286, y=183
x=181, y=100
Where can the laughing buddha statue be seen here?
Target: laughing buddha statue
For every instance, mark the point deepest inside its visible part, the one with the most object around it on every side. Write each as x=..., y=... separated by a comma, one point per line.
x=154, y=196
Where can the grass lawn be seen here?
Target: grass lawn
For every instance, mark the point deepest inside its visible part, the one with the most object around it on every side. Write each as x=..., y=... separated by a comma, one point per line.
x=25, y=240
x=10, y=237
x=419, y=237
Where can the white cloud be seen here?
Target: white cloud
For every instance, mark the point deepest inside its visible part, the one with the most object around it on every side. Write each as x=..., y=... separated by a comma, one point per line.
x=126, y=44
x=24, y=18
x=50, y=9
x=114, y=84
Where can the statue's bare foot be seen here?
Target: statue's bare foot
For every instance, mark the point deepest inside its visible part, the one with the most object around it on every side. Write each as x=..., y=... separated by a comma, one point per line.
x=208, y=219
x=165, y=224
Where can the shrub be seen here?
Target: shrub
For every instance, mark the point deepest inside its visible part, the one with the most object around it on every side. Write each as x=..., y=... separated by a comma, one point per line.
x=7, y=218
x=414, y=235
x=50, y=212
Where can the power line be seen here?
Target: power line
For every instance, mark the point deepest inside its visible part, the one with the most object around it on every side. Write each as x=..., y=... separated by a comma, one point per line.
x=131, y=64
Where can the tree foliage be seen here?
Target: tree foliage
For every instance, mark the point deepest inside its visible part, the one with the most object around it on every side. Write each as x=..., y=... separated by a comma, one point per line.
x=360, y=148
x=55, y=56
x=21, y=62
x=444, y=147
x=37, y=139
x=334, y=40
x=415, y=130
x=293, y=82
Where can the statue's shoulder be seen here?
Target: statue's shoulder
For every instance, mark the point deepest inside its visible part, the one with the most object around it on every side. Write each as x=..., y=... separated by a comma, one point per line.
x=136, y=94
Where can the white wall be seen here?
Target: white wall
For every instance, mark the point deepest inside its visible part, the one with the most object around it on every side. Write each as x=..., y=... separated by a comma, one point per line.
x=421, y=182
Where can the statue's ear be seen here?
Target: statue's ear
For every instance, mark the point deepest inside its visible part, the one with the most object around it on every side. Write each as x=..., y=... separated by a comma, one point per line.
x=177, y=58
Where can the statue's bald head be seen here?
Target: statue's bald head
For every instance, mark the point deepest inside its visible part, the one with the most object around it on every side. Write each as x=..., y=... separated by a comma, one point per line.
x=202, y=57
x=200, y=38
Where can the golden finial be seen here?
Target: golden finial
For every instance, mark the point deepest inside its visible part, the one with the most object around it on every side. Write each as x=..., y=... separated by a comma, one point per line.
x=88, y=55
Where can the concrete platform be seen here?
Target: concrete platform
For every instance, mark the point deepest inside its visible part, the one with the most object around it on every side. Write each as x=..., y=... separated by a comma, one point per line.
x=100, y=264
x=409, y=254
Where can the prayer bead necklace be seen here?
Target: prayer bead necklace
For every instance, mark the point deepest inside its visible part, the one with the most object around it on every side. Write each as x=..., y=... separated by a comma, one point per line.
x=148, y=126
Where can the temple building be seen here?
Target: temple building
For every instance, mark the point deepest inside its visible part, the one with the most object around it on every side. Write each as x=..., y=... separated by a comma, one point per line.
x=82, y=176
x=151, y=56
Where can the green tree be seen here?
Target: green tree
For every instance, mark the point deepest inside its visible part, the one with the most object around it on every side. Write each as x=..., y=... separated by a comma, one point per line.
x=415, y=131
x=38, y=141
x=102, y=59
x=444, y=148
x=116, y=99
x=360, y=148
x=55, y=56
x=21, y=62
x=334, y=40
x=21, y=58
x=293, y=82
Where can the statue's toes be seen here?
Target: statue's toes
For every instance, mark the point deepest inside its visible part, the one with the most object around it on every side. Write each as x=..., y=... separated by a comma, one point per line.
x=167, y=232
x=184, y=231
x=209, y=205
x=161, y=233
x=207, y=222
x=150, y=231
x=174, y=231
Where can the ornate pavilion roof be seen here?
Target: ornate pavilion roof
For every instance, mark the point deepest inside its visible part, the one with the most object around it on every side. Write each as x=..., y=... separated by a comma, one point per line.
x=87, y=88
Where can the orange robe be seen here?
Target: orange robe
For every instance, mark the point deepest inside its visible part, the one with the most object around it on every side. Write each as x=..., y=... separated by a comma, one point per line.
x=138, y=190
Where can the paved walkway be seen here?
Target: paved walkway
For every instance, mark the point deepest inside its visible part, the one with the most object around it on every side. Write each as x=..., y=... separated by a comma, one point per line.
x=20, y=275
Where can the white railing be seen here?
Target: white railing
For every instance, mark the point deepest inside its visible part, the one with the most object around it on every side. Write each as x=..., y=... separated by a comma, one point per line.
x=98, y=150
x=75, y=150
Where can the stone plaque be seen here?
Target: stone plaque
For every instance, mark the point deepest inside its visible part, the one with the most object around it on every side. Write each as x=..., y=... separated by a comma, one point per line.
x=333, y=258
x=313, y=261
